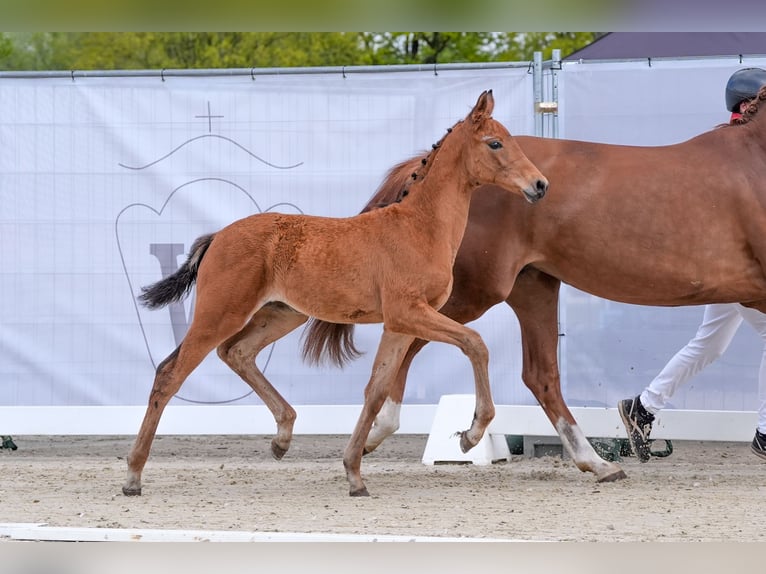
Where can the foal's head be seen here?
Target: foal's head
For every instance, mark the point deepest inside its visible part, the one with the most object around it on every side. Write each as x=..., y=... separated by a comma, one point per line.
x=490, y=155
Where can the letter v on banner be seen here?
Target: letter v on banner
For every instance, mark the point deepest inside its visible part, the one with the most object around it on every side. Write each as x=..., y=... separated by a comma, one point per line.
x=167, y=254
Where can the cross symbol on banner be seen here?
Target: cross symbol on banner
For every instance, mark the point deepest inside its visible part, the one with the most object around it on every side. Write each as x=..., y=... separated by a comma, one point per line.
x=209, y=118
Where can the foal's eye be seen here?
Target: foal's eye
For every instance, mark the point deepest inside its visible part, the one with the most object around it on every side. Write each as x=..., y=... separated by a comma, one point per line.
x=495, y=144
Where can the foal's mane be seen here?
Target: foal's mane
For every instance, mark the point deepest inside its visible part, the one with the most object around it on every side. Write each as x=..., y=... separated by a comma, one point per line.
x=396, y=185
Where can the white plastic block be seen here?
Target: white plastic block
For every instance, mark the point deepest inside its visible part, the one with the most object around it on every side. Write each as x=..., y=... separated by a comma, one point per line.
x=454, y=414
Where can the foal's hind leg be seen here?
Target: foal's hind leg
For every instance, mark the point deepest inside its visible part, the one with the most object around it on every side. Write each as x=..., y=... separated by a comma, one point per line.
x=203, y=336
x=270, y=323
x=535, y=300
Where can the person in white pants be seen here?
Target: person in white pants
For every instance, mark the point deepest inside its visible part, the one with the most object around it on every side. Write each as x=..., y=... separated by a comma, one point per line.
x=719, y=325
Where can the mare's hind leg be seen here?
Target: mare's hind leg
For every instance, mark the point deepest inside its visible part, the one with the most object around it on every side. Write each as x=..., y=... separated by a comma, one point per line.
x=204, y=334
x=534, y=298
x=270, y=323
x=387, y=421
x=387, y=360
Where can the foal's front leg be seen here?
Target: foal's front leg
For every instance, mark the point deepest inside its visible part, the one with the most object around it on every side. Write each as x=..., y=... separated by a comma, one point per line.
x=387, y=360
x=424, y=322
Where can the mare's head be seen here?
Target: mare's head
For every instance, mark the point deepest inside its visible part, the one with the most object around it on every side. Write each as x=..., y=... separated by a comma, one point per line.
x=490, y=155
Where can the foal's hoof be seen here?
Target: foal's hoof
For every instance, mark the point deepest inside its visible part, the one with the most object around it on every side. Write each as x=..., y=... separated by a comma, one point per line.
x=130, y=491
x=465, y=444
x=277, y=451
x=361, y=492
x=614, y=476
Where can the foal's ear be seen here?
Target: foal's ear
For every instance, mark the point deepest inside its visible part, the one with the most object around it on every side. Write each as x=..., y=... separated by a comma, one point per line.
x=483, y=108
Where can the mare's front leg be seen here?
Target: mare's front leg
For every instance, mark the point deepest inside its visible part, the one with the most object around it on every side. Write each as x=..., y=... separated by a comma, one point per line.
x=387, y=361
x=534, y=298
x=270, y=323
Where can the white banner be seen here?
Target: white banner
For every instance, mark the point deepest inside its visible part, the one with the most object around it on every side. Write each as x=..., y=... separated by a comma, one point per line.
x=107, y=181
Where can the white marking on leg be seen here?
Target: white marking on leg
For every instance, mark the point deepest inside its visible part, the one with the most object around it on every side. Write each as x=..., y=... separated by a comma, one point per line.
x=582, y=452
x=386, y=424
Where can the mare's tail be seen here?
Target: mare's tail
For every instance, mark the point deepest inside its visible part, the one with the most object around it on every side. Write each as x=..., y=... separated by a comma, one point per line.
x=331, y=341
x=176, y=286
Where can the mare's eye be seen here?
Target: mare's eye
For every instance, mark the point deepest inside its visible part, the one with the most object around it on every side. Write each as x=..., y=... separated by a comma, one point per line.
x=495, y=144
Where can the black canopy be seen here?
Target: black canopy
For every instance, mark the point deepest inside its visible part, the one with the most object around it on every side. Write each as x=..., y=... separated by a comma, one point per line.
x=630, y=45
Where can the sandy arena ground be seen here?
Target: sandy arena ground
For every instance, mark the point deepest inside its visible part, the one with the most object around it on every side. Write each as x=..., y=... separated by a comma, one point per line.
x=702, y=492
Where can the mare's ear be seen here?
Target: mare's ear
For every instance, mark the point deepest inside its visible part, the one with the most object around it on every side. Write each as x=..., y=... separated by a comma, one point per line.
x=483, y=108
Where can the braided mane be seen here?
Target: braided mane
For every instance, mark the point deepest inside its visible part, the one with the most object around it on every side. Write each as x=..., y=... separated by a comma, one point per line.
x=752, y=108
x=397, y=182
x=397, y=179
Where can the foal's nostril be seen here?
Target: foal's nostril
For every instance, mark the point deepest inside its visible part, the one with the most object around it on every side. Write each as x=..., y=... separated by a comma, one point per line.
x=542, y=186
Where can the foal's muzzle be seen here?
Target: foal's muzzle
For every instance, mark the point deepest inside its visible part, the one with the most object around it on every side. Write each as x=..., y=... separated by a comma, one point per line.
x=536, y=192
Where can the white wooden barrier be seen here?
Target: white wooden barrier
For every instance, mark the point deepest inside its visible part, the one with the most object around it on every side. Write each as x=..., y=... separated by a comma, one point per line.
x=455, y=411
x=440, y=422
x=195, y=420
x=322, y=419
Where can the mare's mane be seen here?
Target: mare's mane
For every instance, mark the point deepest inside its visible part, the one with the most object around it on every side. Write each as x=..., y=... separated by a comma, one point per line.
x=752, y=109
x=393, y=186
x=396, y=185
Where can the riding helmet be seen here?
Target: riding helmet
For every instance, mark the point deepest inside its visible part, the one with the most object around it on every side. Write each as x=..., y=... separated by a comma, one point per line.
x=744, y=85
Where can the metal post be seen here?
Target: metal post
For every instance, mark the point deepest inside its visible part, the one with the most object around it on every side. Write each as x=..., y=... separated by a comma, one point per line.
x=537, y=81
x=555, y=67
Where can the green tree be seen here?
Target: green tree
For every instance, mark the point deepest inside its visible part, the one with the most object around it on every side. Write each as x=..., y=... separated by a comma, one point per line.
x=155, y=50
x=260, y=49
x=427, y=47
x=522, y=46
x=152, y=50
x=6, y=46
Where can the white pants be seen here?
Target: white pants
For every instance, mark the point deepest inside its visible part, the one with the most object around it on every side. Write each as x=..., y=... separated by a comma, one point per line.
x=719, y=324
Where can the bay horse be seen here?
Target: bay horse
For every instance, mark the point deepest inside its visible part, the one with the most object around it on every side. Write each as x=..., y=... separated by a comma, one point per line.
x=673, y=225
x=262, y=276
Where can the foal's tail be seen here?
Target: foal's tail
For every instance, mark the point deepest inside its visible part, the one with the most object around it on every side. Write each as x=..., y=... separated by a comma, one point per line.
x=331, y=341
x=176, y=286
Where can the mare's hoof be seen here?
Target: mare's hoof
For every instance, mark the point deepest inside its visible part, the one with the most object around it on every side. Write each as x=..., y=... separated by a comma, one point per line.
x=617, y=475
x=131, y=491
x=361, y=492
x=277, y=451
